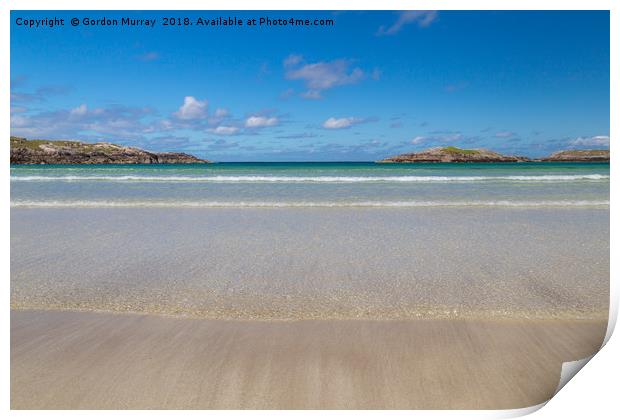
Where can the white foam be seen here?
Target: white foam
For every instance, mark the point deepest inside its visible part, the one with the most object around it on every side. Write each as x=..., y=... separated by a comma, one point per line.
x=295, y=204
x=310, y=179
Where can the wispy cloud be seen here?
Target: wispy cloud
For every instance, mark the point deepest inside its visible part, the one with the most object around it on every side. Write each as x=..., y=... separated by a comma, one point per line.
x=437, y=139
x=221, y=113
x=594, y=141
x=293, y=60
x=321, y=75
x=340, y=123
x=304, y=135
x=225, y=130
x=258, y=121
x=118, y=122
x=166, y=143
x=79, y=110
x=422, y=18
x=40, y=94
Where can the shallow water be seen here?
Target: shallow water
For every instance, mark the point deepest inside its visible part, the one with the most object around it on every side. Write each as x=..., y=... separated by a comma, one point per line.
x=326, y=263
x=313, y=240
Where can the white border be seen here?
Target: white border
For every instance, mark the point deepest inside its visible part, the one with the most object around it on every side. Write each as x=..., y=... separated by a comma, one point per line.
x=601, y=384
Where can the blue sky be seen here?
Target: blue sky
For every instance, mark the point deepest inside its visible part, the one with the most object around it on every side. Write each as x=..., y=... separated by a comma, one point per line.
x=374, y=84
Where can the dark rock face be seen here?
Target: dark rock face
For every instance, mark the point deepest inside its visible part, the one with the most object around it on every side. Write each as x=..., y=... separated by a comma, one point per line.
x=578, y=156
x=453, y=154
x=74, y=152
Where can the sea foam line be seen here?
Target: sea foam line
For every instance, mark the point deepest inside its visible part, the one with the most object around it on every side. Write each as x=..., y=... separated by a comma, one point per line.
x=310, y=179
x=298, y=204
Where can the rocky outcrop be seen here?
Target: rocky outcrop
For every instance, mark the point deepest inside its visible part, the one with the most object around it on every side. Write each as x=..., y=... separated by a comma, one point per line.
x=75, y=152
x=578, y=156
x=453, y=154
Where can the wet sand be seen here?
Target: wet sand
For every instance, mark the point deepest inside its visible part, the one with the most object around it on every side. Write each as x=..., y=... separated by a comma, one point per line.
x=71, y=360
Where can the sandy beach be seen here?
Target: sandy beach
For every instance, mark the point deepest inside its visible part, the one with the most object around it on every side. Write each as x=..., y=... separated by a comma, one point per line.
x=302, y=308
x=87, y=360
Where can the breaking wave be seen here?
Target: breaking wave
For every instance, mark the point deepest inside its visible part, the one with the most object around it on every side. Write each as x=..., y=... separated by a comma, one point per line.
x=298, y=204
x=310, y=179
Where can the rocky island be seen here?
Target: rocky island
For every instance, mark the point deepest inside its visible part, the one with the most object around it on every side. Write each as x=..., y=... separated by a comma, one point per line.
x=453, y=154
x=62, y=152
x=578, y=156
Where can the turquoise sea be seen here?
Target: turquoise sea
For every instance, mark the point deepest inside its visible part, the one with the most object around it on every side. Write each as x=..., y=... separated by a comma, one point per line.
x=311, y=185
x=314, y=240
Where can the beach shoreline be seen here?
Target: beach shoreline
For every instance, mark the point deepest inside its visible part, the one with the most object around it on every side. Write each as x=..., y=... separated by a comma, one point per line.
x=439, y=308
x=81, y=360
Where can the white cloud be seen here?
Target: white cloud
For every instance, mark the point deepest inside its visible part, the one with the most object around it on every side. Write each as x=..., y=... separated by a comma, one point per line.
x=596, y=141
x=224, y=130
x=192, y=109
x=421, y=17
x=322, y=75
x=82, y=122
x=339, y=123
x=256, y=121
x=79, y=111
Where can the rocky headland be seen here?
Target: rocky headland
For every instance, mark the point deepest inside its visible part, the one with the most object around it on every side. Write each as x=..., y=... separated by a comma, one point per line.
x=453, y=154
x=60, y=152
x=578, y=156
